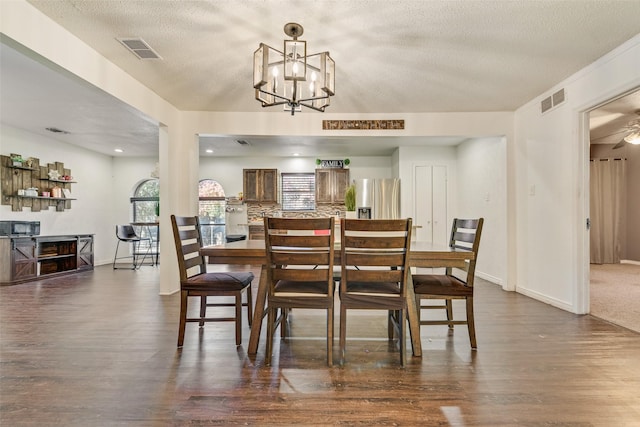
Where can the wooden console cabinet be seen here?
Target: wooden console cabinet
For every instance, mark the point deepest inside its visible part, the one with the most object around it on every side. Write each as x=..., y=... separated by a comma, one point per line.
x=30, y=258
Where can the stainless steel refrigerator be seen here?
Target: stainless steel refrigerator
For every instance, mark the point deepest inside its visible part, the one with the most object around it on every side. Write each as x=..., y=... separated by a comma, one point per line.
x=378, y=198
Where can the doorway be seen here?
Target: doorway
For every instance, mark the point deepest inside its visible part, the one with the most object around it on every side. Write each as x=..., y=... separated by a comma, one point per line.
x=614, y=290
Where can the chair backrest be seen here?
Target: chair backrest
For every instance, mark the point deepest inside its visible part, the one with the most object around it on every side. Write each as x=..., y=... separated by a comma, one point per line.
x=375, y=250
x=465, y=235
x=186, y=234
x=125, y=232
x=300, y=250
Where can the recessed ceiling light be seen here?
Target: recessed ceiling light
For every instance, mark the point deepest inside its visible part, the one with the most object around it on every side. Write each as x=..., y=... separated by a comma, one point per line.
x=296, y=154
x=209, y=150
x=118, y=150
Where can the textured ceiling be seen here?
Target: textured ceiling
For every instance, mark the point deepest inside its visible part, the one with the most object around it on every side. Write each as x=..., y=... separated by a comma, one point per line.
x=391, y=57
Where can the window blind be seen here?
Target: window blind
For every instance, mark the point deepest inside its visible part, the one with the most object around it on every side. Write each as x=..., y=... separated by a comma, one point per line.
x=298, y=191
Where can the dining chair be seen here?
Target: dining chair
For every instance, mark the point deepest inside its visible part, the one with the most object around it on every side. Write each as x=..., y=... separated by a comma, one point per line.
x=375, y=262
x=195, y=281
x=457, y=280
x=127, y=234
x=299, y=273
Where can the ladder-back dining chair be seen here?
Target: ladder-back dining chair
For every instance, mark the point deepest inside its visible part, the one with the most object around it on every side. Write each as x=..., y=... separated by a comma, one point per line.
x=456, y=282
x=300, y=255
x=375, y=257
x=195, y=281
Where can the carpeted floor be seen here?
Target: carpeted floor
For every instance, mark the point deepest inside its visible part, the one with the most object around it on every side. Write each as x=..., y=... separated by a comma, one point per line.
x=615, y=294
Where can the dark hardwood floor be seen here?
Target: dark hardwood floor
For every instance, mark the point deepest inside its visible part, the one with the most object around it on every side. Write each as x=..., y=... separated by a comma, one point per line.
x=99, y=349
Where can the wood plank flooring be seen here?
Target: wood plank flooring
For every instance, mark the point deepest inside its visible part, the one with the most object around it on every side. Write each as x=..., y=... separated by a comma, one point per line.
x=99, y=349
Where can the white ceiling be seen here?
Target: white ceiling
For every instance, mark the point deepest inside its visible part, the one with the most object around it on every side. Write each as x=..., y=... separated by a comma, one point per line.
x=391, y=57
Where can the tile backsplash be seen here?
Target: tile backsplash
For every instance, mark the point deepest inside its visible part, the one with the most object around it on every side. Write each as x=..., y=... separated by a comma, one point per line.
x=255, y=211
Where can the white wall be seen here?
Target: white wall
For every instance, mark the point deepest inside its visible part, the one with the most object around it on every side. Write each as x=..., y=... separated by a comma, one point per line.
x=128, y=172
x=551, y=173
x=92, y=212
x=482, y=192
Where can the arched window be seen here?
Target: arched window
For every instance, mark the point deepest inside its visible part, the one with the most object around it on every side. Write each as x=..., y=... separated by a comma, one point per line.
x=211, y=210
x=146, y=201
x=145, y=205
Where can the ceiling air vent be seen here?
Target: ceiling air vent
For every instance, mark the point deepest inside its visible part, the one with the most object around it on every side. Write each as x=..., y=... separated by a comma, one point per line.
x=139, y=48
x=242, y=142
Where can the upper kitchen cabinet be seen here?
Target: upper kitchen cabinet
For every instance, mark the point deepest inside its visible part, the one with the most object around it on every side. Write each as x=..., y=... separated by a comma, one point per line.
x=260, y=185
x=331, y=184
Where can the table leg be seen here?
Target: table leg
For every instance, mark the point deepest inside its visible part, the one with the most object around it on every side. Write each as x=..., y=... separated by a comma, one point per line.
x=412, y=316
x=258, y=312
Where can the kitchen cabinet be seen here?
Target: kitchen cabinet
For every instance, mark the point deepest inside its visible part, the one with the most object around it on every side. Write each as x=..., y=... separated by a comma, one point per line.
x=260, y=185
x=331, y=185
x=256, y=231
x=23, y=259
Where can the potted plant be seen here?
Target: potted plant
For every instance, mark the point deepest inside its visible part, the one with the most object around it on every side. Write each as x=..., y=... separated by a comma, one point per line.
x=16, y=160
x=350, y=201
x=157, y=211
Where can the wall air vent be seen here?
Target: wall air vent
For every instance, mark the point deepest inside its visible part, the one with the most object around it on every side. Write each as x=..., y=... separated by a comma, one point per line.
x=546, y=104
x=558, y=97
x=552, y=101
x=139, y=48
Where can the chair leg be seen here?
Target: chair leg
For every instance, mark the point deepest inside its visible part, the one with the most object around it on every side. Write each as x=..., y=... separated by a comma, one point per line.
x=249, y=305
x=402, y=328
x=239, y=318
x=115, y=256
x=183, y=317
x=449, y=312
x=330, y=336
x=271, y=320
x=203, y=309
x=284, y=323
x=343, y=333
x=390, y=326
x=471, y=323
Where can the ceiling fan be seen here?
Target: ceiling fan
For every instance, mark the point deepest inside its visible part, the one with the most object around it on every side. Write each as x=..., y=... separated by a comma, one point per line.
x=633, y=137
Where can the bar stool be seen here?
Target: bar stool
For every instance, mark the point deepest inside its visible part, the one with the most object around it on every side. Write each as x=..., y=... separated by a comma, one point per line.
x=127, y=234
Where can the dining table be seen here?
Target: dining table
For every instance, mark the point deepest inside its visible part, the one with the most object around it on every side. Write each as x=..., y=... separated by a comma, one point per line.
x=252, y=252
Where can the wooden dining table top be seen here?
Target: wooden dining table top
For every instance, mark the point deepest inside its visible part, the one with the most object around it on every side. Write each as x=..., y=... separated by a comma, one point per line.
x=420, y=252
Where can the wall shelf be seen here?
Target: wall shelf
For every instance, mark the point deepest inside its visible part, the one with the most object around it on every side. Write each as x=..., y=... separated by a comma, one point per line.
x=14, y=178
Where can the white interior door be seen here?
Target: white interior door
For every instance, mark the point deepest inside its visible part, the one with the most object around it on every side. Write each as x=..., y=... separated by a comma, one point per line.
x=430, y=195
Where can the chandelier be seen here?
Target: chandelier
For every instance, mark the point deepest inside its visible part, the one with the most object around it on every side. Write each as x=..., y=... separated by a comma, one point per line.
x=291, y=77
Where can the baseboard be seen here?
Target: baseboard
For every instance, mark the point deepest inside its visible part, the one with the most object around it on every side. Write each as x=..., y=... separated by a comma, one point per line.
x=545, y=299
x=629, y=261
x=489, y=278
